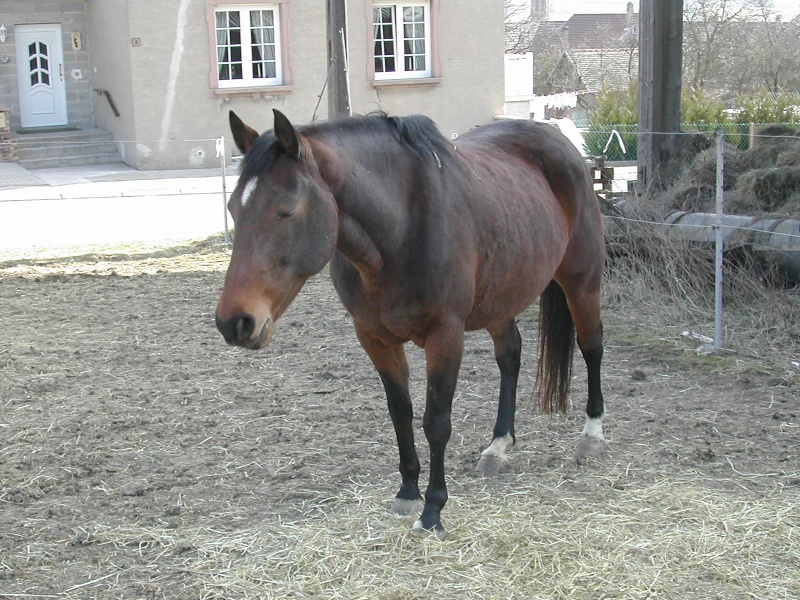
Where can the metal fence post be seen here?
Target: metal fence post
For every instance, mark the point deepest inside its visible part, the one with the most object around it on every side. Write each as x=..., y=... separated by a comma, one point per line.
x=719, y=243
x=221, y=155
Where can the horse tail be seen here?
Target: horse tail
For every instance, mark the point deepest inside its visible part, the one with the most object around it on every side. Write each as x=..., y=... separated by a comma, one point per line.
x=556, y=346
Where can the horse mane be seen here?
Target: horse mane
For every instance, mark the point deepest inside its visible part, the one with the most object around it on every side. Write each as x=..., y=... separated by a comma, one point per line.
x=420, y=134
x=416, y=133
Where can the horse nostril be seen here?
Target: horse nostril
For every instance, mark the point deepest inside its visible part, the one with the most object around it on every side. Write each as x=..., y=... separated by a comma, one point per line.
x=237, y=329
x=245, y=326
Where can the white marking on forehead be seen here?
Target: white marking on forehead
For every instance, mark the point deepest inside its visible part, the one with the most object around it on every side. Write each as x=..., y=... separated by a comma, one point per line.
x=248, y=190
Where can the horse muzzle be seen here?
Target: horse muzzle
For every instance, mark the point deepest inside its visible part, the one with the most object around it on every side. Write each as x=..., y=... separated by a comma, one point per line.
x=240, y=330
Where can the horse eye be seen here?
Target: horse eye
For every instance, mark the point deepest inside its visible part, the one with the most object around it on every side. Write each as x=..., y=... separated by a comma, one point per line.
x=286, y=213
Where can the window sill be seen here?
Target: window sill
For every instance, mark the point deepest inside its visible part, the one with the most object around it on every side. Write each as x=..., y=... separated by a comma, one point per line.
x=410, y=82
x=256, y=92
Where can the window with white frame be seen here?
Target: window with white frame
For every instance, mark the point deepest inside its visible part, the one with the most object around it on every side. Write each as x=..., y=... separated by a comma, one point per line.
x=248, y=46
x=402, y=32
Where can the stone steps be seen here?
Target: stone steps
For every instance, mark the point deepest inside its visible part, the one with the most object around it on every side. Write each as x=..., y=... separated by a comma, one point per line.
x=66, y=148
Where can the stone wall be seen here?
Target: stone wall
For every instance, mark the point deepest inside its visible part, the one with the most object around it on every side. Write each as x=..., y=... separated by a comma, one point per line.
x=8, y=145
x=71, y=15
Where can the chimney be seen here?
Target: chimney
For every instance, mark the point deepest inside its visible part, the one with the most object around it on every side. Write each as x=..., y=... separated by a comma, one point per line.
x=540, y=10
x=630, y=13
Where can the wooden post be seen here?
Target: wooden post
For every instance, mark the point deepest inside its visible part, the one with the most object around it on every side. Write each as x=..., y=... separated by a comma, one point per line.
x=338, y=97
x=660, y=56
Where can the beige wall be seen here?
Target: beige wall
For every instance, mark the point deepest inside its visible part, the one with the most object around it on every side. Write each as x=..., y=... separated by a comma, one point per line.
x=175, y=117
x=111, y=71
x=162, y=87
x=178, y=116
x=471, y=47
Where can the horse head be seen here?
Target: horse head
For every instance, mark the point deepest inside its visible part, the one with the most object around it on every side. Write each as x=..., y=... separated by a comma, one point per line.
x=286, y=225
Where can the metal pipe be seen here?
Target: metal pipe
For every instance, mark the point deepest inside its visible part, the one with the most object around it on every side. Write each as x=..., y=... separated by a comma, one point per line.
x=780, y=236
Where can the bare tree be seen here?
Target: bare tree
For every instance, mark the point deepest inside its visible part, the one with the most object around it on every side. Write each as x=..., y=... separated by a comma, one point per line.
x=551, y=74
x=527, y=34
x=707, y=36
x=775, y=51
x=732, y=47
x=519, y=28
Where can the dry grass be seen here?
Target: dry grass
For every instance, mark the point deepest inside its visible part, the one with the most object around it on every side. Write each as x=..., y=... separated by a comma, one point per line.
x=673, y=279
x=125, y=260
x=773, y=190
x=671, y=539
x=762, y=180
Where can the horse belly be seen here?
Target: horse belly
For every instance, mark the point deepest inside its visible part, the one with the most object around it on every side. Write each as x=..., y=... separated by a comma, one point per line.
x=514, y=270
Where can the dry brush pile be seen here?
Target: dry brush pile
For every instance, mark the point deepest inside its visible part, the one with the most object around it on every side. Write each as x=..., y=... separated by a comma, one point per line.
x=763, y=180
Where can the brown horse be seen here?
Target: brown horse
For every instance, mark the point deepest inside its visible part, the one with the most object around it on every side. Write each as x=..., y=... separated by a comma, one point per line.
x=425, y=240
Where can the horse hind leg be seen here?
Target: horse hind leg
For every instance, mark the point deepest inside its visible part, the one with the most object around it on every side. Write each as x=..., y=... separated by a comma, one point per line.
x=585, y=309
x=592, y=442
x=508, y=350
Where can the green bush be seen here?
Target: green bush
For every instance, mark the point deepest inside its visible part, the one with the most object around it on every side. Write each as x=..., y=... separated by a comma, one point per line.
x=697, y=108
x=761, y=106
x=615, y=106
x=764, y=107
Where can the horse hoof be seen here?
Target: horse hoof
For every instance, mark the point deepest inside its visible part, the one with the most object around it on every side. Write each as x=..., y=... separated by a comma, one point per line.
x=494, y=457
x=406, y=507
x=437, y=530
x=490, y=465
x=590, y=446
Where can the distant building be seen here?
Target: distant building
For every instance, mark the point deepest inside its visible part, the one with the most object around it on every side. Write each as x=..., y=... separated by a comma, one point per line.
x=590, y=31
x=600, y=51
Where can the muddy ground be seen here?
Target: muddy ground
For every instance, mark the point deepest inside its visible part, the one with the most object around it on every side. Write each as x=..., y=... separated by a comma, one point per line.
x=125, y=420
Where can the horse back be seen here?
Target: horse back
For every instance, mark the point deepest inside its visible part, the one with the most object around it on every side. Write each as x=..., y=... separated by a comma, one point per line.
x=546, y=151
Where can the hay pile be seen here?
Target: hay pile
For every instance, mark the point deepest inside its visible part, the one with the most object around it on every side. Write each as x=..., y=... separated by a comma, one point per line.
x=764, y=179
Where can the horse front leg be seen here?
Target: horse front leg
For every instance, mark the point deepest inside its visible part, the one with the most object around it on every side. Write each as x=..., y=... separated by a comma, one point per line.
x=444, y=349
x=392, y=366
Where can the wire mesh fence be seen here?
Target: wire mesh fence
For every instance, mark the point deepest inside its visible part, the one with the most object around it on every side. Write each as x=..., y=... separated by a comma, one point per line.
x=596, y=137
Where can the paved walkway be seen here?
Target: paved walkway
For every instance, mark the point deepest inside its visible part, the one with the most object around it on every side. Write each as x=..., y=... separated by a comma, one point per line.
x=14, y=176
x=80, y=207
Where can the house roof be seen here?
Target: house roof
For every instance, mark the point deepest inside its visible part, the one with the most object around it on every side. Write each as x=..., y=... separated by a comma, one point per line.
x=600, y=30
x=612, y=68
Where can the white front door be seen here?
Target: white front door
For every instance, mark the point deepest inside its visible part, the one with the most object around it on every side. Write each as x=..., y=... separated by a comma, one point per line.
x=42, y=94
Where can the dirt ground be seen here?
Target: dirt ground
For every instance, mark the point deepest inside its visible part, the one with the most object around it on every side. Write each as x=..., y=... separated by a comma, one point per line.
x=127, y=427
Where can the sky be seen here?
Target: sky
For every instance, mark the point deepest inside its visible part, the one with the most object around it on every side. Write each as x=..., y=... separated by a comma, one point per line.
x=563, y=9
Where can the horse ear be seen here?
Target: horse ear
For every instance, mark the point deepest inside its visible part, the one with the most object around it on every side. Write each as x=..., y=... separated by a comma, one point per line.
x=286, y=134
x=243, y=135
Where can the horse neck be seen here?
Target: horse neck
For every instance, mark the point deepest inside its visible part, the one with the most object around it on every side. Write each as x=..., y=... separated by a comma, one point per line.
x=367, y=185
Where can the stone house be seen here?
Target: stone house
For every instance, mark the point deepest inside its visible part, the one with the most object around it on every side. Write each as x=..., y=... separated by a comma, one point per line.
x=161, y=75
